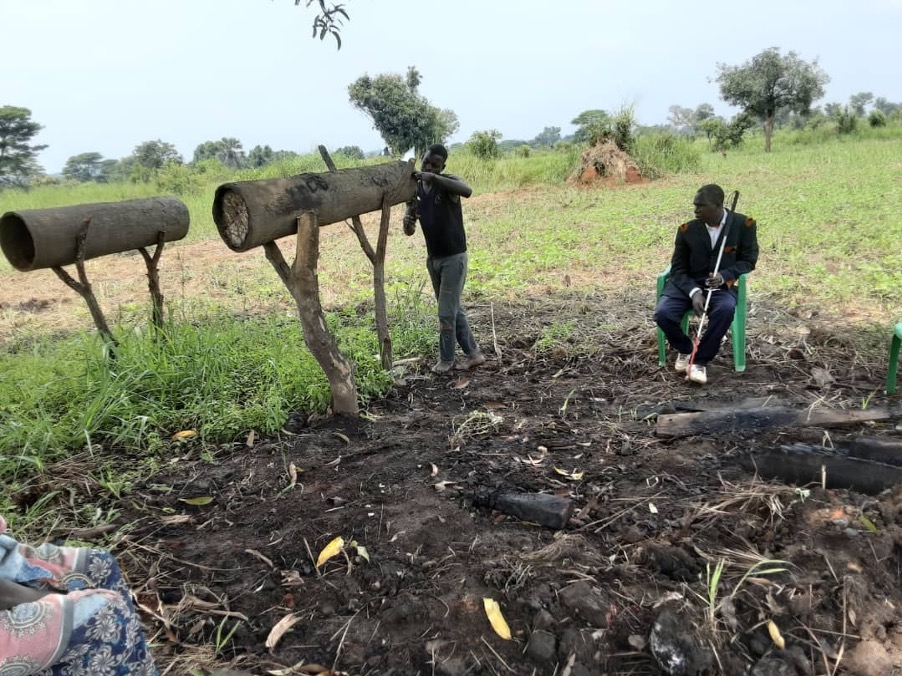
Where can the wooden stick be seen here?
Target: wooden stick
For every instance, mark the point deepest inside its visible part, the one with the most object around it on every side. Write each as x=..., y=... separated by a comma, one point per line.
x=153, y=280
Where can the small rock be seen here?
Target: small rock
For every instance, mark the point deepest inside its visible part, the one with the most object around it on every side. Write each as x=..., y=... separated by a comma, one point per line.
x=675, y=649
x=852, y=532
x=543, y=620
x=868, y=657
x=587, y=602
x=542, y=646
x=772, y=666
x=578, y=642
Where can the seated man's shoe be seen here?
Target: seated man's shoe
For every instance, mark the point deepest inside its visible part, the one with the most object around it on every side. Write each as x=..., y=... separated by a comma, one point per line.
x=697, y=374
x=471, y=360
x=443, y=367
x=682, y=363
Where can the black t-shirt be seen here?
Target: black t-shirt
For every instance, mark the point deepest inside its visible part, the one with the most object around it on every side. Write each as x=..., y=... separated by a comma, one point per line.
x=442, y=220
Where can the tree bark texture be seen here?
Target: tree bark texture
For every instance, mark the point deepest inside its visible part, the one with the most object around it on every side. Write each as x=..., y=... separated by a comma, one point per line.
x=381, y=305
x=251, y=213
x=768, y=132
x=33, y=239
x=302, y=282
x=356, y=225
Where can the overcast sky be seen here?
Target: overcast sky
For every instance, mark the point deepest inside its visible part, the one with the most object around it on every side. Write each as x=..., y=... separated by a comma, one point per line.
x=105, y=75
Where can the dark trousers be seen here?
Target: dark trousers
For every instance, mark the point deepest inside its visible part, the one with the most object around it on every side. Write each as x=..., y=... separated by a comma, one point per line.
x=669, y=314
x=448, y=275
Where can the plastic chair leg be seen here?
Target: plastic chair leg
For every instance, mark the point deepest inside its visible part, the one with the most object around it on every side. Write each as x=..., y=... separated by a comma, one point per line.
x=894, y=360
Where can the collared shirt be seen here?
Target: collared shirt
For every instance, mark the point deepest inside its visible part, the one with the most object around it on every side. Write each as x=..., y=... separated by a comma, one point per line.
x=714, y=233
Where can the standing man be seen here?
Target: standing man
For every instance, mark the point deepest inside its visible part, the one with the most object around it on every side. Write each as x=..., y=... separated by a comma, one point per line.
x=438, y=207
x=692, y=274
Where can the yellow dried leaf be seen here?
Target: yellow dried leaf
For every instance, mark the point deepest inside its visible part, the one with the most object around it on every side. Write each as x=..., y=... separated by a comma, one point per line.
x=330, y=550
x=775, y=635
x=281, y=628
x=573, y=476
x=499, y=624
x=292, y=474
x=198, y=501
x=184, y=434
x=250, y=439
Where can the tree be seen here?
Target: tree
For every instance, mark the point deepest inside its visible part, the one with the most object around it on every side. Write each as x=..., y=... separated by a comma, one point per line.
x=484, y=144
x=403, y=117
x=886, y=107
x=328, y=20
x=154, y=155
x=859, y=102
x=351, y=152
x=227, y=151
x=770, y=81
x=547, y=137
x=18, y=157
x=260, y=156
x=593, y=126
x=703, y=112
x=681, y=118
x=84, y=168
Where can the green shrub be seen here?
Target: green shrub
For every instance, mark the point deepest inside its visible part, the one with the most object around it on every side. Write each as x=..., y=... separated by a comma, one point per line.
x=846, y=121
x=484, y=144
x=663, y=153
x=877, y=118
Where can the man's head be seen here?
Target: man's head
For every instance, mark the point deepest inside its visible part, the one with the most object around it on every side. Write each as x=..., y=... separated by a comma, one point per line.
x=434, y=159
x=708, y=203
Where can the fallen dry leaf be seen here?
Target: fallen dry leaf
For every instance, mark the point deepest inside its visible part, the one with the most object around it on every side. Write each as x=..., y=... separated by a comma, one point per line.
x=775, y=634
x=250, y=439
x=330, y=550
x=442, y=485
x=499, y=624
x=198, y=501
x=280, y=629
x=461, y=384
x=176, y=519
x=184, y=434
x=292, y=475
x=434, y=469
x=573, y=476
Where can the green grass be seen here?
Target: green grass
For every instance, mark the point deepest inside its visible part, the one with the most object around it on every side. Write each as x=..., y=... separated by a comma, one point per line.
x=829, y=230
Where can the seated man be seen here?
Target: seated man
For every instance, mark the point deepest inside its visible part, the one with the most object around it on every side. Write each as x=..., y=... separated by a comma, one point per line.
x=692, y=274
x=67, y=610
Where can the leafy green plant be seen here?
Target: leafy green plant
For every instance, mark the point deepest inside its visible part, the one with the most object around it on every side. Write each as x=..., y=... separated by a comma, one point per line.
x=484, y=144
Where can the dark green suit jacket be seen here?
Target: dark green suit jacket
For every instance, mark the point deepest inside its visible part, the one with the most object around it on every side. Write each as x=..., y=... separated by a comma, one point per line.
x=694, y=258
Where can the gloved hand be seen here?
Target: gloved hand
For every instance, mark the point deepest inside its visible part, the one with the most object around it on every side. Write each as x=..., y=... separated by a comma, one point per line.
x=698, y=303
x=410, y=223
x=714, y=281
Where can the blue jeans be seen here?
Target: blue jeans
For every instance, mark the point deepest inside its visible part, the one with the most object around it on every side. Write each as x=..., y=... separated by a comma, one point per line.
x=669, y=315
x=448, y=275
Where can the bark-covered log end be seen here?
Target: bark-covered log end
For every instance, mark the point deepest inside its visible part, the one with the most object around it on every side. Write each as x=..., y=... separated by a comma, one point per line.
x=231, y=216
x=16, y=241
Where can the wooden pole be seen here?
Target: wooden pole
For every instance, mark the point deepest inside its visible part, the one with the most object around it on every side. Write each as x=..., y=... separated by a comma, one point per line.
x=153, y=280
x=381, y=306
x=302, y=282
x=83, y=288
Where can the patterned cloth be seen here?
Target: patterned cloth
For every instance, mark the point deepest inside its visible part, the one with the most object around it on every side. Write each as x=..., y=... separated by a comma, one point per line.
x=92, y=630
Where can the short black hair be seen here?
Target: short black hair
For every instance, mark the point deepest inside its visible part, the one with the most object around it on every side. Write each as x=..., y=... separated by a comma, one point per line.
x=712, y=193
x=442, y=151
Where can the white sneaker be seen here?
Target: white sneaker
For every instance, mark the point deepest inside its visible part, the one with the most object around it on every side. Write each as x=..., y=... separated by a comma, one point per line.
x=697, y=374
x=682, y=363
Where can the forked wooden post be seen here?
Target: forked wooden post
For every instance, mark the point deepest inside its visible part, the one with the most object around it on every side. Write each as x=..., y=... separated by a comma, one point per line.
x=302, y=282
x=377, y=258
x=83, y=288
x=153, y=280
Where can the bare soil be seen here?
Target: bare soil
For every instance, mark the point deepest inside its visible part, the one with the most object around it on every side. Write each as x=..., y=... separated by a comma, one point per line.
x=625, y=588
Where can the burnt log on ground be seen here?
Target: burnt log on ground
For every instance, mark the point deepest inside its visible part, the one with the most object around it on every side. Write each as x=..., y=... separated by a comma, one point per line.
x=33, y=239
x=751, y=421
x=251, y=213
x=802, y=464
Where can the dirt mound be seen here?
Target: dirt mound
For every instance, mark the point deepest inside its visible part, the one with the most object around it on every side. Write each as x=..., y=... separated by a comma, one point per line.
x=607, y=161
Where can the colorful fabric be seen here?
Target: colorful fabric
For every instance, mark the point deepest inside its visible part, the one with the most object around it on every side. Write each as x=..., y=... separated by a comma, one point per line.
x=91, y=630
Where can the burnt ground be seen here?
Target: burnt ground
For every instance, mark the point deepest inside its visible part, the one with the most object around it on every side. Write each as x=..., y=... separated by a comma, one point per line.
x=572, y=413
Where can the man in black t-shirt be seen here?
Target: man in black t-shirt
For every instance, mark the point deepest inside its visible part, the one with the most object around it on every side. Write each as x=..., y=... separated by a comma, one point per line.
x=437, y=205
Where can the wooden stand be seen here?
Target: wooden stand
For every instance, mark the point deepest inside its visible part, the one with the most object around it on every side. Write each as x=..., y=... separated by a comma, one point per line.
x=302, y=282
x=153, y=281
x=83, y=288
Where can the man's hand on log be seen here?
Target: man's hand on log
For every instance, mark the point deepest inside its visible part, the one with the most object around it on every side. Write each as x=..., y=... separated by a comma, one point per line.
x=427, y=176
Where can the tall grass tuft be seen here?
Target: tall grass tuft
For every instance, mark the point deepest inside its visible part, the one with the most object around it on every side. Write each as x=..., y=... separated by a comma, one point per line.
x=665, y=153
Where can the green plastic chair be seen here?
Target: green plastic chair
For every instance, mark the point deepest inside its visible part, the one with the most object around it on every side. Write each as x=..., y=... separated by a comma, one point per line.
x=894, y=359
x=737, y=328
